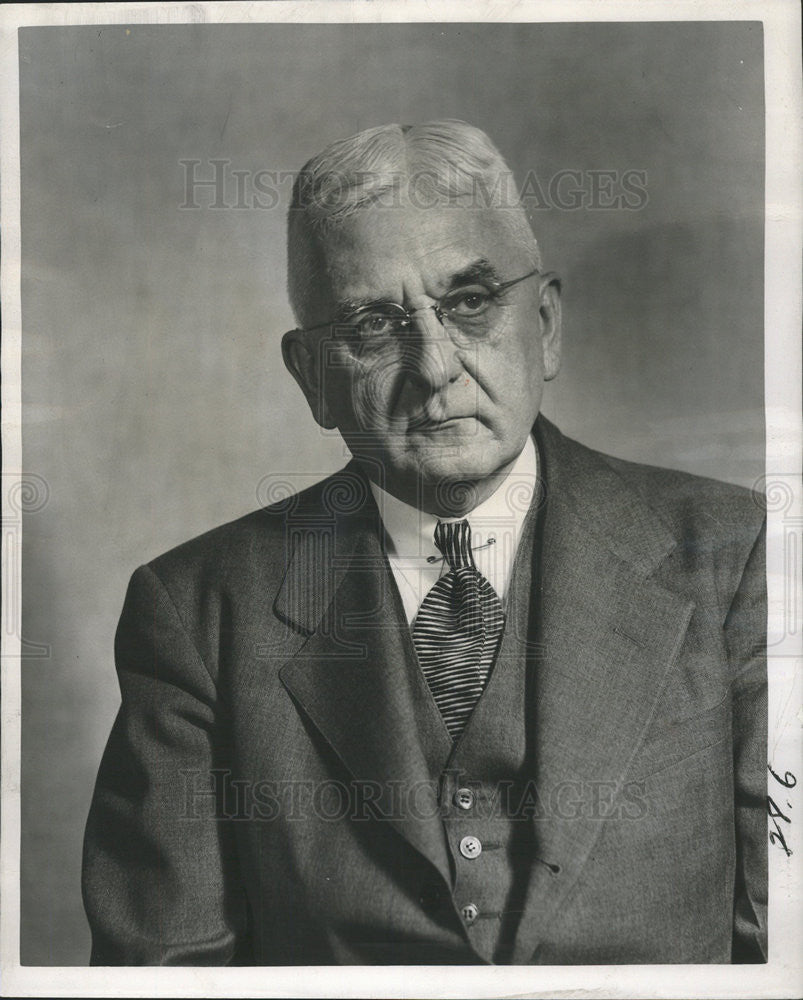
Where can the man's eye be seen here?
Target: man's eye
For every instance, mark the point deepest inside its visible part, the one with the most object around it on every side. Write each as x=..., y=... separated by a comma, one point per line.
x=375, y=324
x=468, y=301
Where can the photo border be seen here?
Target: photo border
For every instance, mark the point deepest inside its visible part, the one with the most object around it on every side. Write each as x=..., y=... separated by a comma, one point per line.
x=782, y=975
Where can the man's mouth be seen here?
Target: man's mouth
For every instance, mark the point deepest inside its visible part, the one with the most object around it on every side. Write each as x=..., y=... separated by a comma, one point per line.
x=443, y=423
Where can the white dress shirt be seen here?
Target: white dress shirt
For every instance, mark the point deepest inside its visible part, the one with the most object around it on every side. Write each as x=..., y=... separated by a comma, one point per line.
x=496, y=525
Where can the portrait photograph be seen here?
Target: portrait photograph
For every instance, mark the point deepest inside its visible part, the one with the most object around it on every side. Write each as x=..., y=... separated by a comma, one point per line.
x=402, y=506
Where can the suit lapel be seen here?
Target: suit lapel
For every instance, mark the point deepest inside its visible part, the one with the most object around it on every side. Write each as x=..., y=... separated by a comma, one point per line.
x=354, y=673
x=607, y=637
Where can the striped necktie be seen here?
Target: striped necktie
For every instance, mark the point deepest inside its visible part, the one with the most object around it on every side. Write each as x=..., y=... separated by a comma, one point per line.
x=457, y=630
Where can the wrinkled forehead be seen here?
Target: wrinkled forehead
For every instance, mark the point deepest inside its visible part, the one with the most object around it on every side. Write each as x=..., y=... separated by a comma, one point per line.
x=390, y=252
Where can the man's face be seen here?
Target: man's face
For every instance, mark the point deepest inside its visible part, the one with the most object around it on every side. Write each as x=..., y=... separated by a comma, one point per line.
x=436, y=409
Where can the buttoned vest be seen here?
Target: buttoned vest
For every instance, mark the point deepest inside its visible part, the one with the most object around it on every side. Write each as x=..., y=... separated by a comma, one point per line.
x=487, y=796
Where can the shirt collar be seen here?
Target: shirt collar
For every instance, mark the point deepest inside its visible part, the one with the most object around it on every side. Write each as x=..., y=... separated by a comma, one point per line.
x=411, y=532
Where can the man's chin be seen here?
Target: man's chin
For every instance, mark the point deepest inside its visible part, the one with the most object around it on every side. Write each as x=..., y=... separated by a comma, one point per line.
x=439, y=469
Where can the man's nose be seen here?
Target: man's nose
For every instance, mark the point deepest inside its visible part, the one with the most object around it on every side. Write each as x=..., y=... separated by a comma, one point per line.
x=432, y=356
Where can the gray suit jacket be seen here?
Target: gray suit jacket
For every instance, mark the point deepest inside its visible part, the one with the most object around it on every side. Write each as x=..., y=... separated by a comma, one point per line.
x=267, y=666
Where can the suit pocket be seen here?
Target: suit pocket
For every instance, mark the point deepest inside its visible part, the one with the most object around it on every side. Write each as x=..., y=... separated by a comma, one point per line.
x=671, y=742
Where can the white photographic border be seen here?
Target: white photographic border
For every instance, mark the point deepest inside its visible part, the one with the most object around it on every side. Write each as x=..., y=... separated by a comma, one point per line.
x=782, y=976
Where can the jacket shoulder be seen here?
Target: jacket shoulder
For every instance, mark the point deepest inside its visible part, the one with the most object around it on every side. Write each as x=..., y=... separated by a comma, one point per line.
x=718, y=527
x=690, y=503
x=261, y=536
x=715, y=526
x=682, y=500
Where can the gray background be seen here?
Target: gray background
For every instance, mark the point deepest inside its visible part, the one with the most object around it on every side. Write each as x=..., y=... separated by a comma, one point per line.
x=154, y=399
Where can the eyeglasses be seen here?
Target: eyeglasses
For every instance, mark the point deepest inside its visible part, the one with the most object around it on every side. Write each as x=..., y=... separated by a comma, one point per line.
x=467, y=313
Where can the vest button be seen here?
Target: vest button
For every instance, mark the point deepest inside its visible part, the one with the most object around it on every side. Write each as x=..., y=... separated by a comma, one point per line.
x=464, y=798
x=470, y=847
x=470, y=913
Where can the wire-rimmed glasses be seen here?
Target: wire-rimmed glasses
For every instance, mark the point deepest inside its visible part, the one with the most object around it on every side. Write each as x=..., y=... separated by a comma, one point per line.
x=468, y=313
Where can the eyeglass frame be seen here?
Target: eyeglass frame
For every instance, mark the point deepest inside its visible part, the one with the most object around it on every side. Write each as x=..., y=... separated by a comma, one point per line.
x=497, y=290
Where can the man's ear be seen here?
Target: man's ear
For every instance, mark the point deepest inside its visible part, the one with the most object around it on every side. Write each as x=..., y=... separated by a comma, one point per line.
x=549, y=318
x=301, y=361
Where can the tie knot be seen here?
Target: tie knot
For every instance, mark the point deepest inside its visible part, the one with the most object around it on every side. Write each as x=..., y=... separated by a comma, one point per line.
x=453, y=538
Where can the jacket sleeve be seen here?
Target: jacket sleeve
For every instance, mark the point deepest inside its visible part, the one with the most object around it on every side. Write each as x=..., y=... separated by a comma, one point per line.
x=160, y=878
x=746, y=630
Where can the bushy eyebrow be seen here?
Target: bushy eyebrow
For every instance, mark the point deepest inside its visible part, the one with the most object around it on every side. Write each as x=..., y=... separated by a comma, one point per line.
x=478, y=270
x=481, y=270
x=347, y=307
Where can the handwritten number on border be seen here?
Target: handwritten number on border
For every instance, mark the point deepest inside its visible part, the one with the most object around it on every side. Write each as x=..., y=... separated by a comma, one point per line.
x=775, y=813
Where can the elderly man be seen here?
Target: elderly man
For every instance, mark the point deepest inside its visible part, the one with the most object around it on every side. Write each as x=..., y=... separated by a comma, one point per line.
x=483, y=696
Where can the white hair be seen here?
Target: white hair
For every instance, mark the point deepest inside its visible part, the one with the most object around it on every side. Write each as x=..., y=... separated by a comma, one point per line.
x=435, y=163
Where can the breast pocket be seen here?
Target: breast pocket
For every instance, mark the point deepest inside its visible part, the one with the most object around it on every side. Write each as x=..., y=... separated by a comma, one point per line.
x=673, y=742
